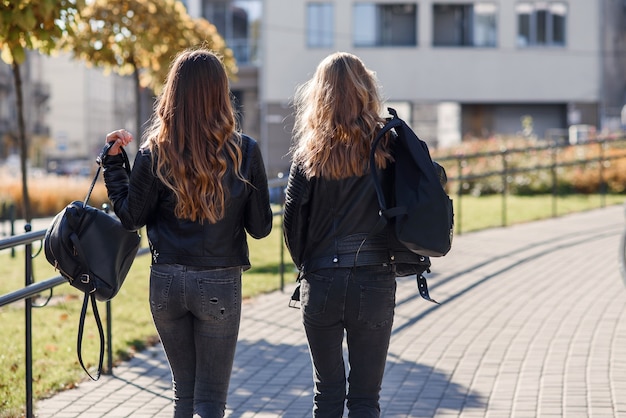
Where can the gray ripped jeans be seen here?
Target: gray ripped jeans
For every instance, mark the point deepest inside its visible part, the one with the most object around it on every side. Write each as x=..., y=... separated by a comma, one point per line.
x=197, y=313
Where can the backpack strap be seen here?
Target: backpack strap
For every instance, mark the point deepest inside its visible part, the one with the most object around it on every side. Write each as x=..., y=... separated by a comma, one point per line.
x=387, y=213
x=81, y=326
x=100, y=160
x=422, y=286
x=393, y=123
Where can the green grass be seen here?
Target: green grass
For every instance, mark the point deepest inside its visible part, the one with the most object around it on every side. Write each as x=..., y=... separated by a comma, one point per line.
x=55, y=364
x=476, y=213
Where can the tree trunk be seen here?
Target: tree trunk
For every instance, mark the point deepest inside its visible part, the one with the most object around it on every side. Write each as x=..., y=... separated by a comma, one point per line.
x=138, y=133
x=22, y=140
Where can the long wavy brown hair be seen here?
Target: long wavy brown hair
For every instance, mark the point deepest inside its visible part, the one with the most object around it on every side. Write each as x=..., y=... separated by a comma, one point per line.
x=337, y=116
x=193, y=137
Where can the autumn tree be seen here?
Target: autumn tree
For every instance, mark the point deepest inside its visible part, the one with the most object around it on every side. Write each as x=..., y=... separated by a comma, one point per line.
x=140, y=38
x=31, y=25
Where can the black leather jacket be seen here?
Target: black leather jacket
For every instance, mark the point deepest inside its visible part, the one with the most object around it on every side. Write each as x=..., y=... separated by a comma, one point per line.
x=327, y=223
x=145, y=200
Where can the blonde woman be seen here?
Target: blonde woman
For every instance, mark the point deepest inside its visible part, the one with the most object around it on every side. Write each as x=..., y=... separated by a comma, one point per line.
x=199, y=186
x=347, y=278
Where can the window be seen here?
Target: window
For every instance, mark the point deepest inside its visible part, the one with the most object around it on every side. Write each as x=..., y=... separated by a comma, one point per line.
x=541, y=24
x=319, y=23
x=378, y=25
x=471, y=25
x=238, y=22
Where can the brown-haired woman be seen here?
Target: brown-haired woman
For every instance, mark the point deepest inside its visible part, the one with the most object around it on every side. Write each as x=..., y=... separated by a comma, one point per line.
x=347, y=277
x=198, y=185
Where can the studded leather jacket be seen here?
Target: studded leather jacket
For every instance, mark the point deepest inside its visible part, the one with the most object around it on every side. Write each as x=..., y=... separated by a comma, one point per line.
x=328, y=223
x=145, y=200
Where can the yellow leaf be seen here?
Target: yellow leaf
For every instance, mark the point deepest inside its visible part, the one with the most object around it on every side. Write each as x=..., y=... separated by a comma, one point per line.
x=6, y=55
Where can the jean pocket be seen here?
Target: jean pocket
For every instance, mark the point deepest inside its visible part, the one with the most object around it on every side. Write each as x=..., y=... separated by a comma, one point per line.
x=160, y=290
x=314, y=289
x=220, y=298
x=377, y=303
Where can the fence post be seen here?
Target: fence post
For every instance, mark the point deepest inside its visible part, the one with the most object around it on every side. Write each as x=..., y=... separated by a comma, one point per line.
x=28, y=279
x=553, y=165
x=109, y=370
x=505, y=174
x=603, y=187
x=12, y=224
x=458, y=217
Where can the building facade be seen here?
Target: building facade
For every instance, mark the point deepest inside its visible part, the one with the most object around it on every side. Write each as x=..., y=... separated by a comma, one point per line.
x=85, y=104
x=455, y=69
x=68, y=110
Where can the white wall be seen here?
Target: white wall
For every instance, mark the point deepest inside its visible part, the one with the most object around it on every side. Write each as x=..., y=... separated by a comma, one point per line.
x=82, y=108
x=67, y=116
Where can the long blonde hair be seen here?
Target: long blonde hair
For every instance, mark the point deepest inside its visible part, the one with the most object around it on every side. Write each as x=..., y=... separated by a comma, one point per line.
x=192, y=135
x=337, y=116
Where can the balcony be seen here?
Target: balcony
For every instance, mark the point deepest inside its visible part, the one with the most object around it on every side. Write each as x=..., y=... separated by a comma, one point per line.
x=5, y=126
x=41, y=92
x=246, y=51
x=41, y=129
x=6, y=80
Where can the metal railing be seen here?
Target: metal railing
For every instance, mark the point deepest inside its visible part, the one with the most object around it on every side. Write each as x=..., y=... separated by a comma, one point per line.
x=32, y=289
x=622, y=251
x=459, y=163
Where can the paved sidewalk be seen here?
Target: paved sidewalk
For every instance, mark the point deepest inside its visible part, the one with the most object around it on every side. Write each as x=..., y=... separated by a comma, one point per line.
x=532, y=324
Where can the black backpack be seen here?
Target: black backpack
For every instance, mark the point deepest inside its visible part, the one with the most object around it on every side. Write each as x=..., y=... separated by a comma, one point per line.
x=421, y=212
x=94, y=252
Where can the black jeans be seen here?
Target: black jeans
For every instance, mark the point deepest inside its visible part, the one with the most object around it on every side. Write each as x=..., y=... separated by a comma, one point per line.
x=359, y=302
x=197, y=314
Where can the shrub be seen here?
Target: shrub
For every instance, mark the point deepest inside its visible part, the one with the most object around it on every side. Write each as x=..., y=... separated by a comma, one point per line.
x=529, y=163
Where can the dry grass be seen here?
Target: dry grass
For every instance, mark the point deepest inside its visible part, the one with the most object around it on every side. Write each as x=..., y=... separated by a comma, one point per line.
x=49, y=194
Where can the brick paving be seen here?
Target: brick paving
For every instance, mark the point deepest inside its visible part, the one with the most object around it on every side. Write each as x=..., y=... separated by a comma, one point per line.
x=532, y=324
